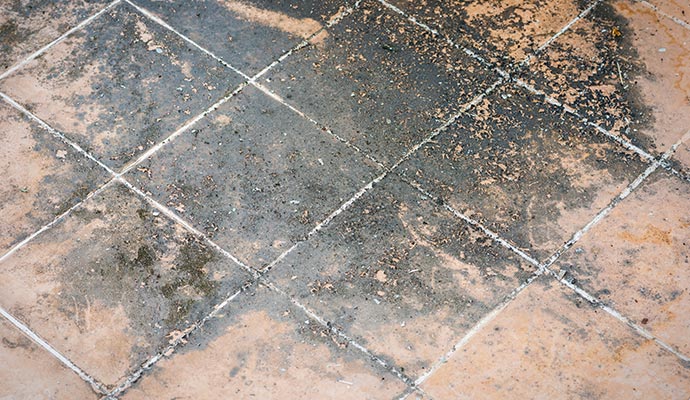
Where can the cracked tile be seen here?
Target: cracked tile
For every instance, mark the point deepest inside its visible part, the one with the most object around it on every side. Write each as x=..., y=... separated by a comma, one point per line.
x=111, y=283
x=625, y=68
x=502, y=32
x=548, y=343
x=29, y=372
x=379, y=81
x=401, y=275
x=120, y=85
x=637, y=259
x=248, y=34
x=40, y=177
x=264, y=347
x=25, y=27
x=255, y=176
x=524, y=169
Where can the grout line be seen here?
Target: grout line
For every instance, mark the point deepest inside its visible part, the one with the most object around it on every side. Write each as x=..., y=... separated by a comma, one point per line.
x=50, y=349
x=478, y=327
x=664, y=14
x=52, y=223
x=159, y=21
x=180, y=339
x=58, y=40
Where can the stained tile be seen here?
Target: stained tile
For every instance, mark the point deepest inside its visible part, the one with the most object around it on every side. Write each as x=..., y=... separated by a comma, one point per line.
x=110, y=284
x=502, y=32
x=681, y=158
x=679, y=9
x=255, y=176
x=626, y=68
x=25, y=27
x=379, y=81
x=549, y=344
x=120, y=85
x=29, y=372
x=401, y=275
x=265, y=348
x=637, y=259
x=248, y=34
x=525, y=169
x=40, y=177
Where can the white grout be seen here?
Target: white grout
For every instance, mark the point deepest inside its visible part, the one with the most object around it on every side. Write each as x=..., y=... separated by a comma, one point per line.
x=58, y=40
x=50, y=349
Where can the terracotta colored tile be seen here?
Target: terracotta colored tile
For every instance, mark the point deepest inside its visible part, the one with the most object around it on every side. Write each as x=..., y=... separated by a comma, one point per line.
x=27, y=26
x=681, y=158
x=637, y=259
x=109, y=283
x=29, y=372
x=676, y=8
x=379, y=81
x=626, y=68
x=525, y=169
x=401, y=275
x=248, y=34
x=265, y=348
x=40, y=177
x=120, y=85
x=503, y=32
x=255, y=176
x=549, y=344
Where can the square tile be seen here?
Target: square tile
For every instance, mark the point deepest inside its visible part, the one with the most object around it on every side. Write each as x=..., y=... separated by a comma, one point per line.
x=675, y=8
x=625, y=68
x=549, y=344
x=265, y=348
x=638, y=259
x=502, y=32
x=40, y=177
x=255, y=176
x=401, y=275
x=109, y=284
x=379, y=81
x=29, y=372
x=25, y=26
x=120, y=85
x=248, y=34
x=525, y=169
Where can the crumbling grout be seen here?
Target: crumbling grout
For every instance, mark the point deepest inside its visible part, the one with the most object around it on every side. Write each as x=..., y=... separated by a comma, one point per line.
x=59, y=39
x=95, y=385
x=664, y=14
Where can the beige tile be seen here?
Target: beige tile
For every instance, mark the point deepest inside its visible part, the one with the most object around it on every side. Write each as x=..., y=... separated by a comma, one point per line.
x=110, y=284
x=29, y=372
x=626, y=68
x=676, y=8
x=40, y=177
x=638, y=259
x=265, y=348
x=549, y=344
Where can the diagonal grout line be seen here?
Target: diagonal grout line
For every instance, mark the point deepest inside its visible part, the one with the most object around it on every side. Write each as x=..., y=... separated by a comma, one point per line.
x=58, y=40
x=664, y=14
x=96, y=386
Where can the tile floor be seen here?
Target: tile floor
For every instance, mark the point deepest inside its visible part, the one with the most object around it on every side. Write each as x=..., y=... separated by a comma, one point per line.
x=438, y=199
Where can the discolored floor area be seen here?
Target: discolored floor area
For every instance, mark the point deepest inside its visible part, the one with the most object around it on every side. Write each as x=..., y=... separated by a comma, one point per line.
x=345, y=199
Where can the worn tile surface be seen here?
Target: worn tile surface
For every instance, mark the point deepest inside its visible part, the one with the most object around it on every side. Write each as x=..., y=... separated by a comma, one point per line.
x=675, y=8
x=264, y=347
x=400, y=273
x=379, y=81
x=25, y=27
x=625, y=68
x=40, y=177
x=29, y=372
x=247, y=34
x=551, y=344
x=255, y=176
x=501, y=32
x=524, y=169
x=109, y=284
x=638, y=259
x=120, y=86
